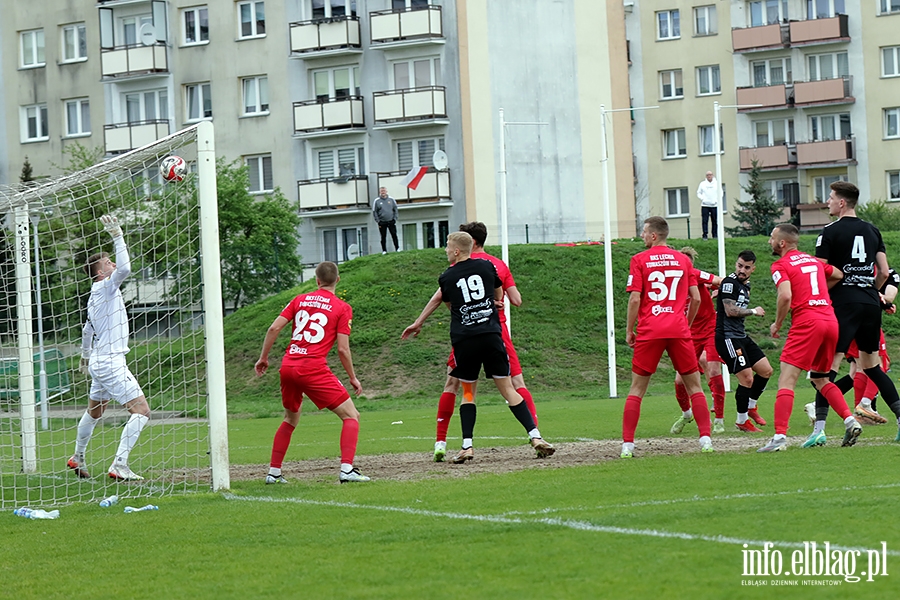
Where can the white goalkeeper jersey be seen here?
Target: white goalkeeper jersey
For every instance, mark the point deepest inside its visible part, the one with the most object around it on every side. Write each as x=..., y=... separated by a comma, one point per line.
x=105, y=332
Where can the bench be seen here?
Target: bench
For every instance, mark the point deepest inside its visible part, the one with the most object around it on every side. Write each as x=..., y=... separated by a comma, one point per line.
x=57, y=370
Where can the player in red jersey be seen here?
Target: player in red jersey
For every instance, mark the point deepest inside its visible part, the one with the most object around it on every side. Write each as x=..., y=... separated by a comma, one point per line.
x=802, y=283
x=319, y=320
x=703, y=334
x=663, y=301
x=447, y=402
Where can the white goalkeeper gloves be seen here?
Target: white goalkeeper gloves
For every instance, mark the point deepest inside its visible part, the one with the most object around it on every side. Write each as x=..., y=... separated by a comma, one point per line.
x=111, y=225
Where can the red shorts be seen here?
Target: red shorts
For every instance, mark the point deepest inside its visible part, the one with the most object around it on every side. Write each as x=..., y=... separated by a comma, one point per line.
x=648, y=352
x=514, y=367
x=321, y=386
x=810, y=345
x=708, y=345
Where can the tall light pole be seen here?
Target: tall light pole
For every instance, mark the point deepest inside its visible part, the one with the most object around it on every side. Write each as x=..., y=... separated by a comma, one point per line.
x=35, y=218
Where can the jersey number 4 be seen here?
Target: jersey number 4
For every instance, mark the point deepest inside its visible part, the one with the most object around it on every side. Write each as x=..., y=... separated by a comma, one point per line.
x=664, y=284
x=859, y=249
x=472, y=288
x=309, y=327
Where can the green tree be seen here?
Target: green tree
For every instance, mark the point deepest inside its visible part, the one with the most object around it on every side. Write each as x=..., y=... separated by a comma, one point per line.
x=761, y=213
x=879, y=213
x=27, y=172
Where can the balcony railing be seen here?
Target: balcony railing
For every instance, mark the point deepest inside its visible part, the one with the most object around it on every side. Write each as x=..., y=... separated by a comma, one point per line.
x=414, y=104
x=767, y=97
x=827, y=152
x=325, y=35
x=434, y=187
x=826, y=91
x=406, y=26
x=333, y=114
x=766, y=37
x=769, y=158
x=122, y=137
x=134, y=60
x=334, y=193
x=819, y=31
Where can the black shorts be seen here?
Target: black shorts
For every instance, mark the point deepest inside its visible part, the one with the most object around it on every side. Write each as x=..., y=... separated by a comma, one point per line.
x=486, y=350
x=860, y=322
x=738, y=353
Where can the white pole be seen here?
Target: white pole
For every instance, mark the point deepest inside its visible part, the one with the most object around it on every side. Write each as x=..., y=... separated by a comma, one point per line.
x=42, y=361
x=504, y=216
x=212, y=303
x=607, y=257
x=720, y=215
x=26, y=343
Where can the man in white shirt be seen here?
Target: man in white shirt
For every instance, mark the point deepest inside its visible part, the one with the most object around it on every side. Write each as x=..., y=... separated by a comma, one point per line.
x=709, y=204
x=104, y=345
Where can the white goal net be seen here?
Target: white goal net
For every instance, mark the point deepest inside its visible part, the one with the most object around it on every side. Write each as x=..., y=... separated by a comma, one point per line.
x=174, y=306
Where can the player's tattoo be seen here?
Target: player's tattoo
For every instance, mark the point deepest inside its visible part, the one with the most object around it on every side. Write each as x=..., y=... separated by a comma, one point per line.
x=733, y=310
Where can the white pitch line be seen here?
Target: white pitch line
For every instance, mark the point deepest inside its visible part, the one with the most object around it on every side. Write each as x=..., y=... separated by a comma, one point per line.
x=567, y=523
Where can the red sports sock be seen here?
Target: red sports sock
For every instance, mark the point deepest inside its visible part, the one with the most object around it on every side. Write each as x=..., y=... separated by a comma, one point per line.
x=717, y=387
x=784, y=405
x=349, y=437
x=445, y=412
x=836, y=400
x=700, y=407
x=682, y=396
x=860, y=381
x=281, y=443
x=529, y=402
x=630, y=417
x=871, y=389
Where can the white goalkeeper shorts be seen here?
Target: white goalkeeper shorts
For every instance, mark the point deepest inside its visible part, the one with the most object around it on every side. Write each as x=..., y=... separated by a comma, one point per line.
x=111, y=379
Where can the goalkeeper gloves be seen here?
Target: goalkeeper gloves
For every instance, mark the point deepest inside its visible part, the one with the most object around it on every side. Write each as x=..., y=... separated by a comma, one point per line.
x=111, y=225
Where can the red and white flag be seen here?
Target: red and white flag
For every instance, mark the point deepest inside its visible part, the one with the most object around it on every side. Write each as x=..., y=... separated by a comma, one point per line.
x=413, y=178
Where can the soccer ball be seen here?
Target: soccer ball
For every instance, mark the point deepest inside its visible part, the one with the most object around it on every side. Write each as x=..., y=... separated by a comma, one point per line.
x=173, y=168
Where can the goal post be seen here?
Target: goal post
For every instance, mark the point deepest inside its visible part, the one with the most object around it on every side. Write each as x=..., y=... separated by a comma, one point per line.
x=173, y=299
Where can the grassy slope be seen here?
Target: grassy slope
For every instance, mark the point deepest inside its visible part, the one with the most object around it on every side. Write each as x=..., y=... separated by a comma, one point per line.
x=560, y=330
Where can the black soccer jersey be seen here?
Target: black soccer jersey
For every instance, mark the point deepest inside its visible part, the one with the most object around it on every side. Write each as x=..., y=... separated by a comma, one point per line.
x=850, y=244
x=731, y=288
x=469, y=288
x=892, y=279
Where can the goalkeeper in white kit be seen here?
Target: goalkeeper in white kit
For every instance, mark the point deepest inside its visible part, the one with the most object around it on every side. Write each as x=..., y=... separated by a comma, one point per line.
x=103, y=349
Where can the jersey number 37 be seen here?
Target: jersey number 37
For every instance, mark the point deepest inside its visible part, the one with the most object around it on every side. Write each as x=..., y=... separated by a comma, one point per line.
x=664, y=284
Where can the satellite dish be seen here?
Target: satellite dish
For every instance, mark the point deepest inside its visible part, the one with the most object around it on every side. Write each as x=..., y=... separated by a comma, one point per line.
x=439, y=160
x=148, y=35
x=352, y=251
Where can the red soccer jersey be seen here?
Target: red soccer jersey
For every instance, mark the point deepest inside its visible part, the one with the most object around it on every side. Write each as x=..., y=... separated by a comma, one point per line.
x=503, y=271
x=809, y=290
x=662, y=276
x=704, y=324
x=318, y=318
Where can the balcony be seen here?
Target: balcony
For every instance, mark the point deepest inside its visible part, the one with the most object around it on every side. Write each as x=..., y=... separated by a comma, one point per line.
x=823, y=93
x=325, y=37
x=819, y=31
x=769, y=97
x=827, y=153
x=769, y=158
x=414, y=106
x=314, y=118
x=433, y=189
x=350, y=193
x=756, y=39
x=122, y=137
x=406, y=27
x=134, y=60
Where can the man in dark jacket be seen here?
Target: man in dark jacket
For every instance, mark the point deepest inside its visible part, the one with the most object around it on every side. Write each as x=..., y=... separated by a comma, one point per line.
x=386, y=215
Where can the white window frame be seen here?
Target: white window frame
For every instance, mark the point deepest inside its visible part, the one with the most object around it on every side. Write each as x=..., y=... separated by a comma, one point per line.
x=79, y=39
x=709, y=18
x=889, y=7
x=434, y=72
x=361, y=232
x=353, y=77
x=822, y=186
x=256, y=163
x=254, y=21
x=672, y=20
x=708, y=130
x=706, y=73
x=81, y=128
x=160, y=99
x=671, y=78
x=136, y=22
x=259, y=87
x=683, y=199
x=891, y=122
x=788, y=128
x=893, y=185
x=783, y=62
x=359, y=161
x=766, y=18
x=776, y=188
x=679, y=136
x=419, y=227
x=39, y=113
x=328, y=10
x=198, y=32
x=818, y=124
x=814, y=63
x=203, y=90
x=835, y=7
x=417, y=159
x=894, y=53
x=38, y=56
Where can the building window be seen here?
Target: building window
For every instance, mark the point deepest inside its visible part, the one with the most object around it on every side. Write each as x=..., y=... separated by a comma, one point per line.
x=341, y=162
x=674, y=143
x=705, y=20
x=32, y=48
x=400, y=5
x=670, y=85
x=668, y=26
x=34, y=123
x=195, y=23
x=259, y=168
x=889, y=7
x=197, y=101
x=150, y=105
x=707, y=139
x=252, y=17
x=822, y=186
x=824, y=9
x=776, y=188
x=78, y=117
x=417, y=73
x=327, y=9
x=767, y=12
x=331, y=84
x=893, y=185
x=892, y=122
x=825, y=128
x=74, y=43
x=774, y=132
x=774, y=71
x=256, y=95
x=708, y=81
x=828, y=66
x=678, y=202
x=354, y=242
x=417, y=152
x=890, y=61
x=131, y=28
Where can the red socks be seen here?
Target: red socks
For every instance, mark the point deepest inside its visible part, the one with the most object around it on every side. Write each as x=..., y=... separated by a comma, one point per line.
x=836, y=400
x=871, y=389
x=701, y=413
x=784, y=404
x=630, y=417
x=349, y=437
x=280, y=444
x=444, y=413
x=860, y=381
x=529, y=402
x=682, y=396
x=717, y=387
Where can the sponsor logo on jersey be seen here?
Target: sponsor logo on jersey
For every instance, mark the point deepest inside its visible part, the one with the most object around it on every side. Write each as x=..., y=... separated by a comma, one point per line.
x=726, y=288
x=818, y=302
x=296, y=350
x=659, y=309
x=776, y=277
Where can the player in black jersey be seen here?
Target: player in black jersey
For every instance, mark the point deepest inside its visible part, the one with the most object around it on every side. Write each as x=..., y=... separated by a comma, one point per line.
x=740, y=353
x=856, y=248
x=471, y=288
